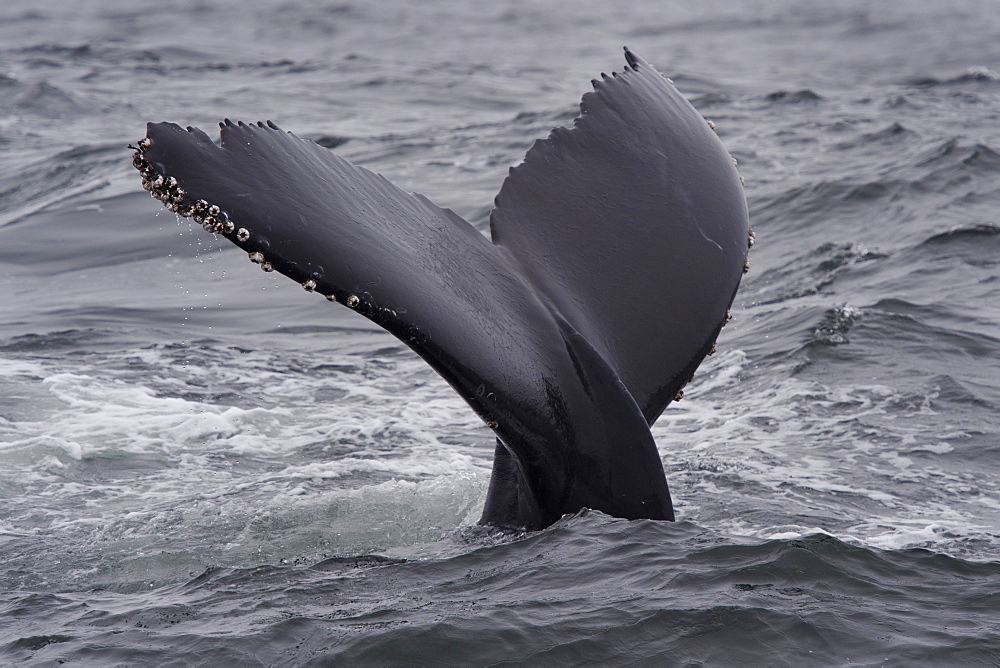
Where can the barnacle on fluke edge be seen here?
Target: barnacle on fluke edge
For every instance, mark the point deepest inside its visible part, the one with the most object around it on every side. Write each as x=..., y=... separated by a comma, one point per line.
x=211, y=217
x=167, y=190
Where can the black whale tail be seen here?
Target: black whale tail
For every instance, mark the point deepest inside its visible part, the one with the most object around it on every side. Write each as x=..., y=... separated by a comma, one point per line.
x=617, y=248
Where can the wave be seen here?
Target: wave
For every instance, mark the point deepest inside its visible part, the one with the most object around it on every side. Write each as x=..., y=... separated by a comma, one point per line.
x=965, y=234
x=809, y=273
x=895, y=188
x=40, y=99
x=793, y=97
x=688, y=595
x=891, y=135
x=975, y=74
x=835, y=325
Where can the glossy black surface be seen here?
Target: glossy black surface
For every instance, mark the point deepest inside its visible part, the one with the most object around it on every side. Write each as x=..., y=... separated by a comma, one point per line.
x=618, y=247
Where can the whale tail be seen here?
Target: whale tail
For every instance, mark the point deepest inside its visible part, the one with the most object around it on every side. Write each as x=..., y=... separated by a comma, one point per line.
x=617, y=248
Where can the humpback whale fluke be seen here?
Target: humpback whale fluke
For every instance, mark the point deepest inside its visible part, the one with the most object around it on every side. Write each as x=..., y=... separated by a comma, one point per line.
x=617, y=248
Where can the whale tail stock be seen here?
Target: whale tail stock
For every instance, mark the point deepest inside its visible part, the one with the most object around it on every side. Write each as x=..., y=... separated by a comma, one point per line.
x=617, y=248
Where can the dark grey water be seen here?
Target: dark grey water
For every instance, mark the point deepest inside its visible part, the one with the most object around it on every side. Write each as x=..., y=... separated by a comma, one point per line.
x=197, y=460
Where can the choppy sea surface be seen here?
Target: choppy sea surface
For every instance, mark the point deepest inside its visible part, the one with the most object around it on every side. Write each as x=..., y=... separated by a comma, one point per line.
x=201, y=463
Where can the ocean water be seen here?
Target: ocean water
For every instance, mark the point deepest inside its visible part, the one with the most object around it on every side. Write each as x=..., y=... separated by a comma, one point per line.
x=201, y=463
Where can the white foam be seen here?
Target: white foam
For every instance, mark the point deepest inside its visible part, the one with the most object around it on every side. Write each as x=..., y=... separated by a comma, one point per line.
x=115, y=462
x=862, y=455
x=134, y=454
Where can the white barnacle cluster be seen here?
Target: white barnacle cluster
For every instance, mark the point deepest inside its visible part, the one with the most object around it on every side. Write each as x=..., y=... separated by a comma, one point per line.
x=210, y=217
x=258, y=258
x=167, y=190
